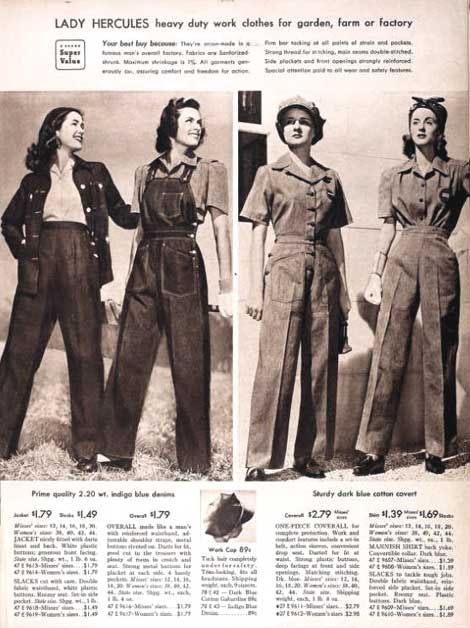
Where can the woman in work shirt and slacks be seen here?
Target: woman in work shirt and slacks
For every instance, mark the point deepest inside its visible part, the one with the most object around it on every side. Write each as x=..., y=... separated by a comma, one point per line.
x=299, y=298
x=425, y=195
x=167, y=292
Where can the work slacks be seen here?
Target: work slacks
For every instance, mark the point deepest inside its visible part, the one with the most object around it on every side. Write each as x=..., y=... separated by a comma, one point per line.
x=301, y=308
x=68, y=291
x=422, y=270
x=166, y=292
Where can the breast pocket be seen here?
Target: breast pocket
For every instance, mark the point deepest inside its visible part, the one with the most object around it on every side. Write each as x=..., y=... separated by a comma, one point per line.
x=179, y=272
x=170, y=206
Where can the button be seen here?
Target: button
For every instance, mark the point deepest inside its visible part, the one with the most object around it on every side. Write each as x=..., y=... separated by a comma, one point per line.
x=194, y=224
x=107, y=238
x=82, y=186
x=88, y=210
x=100, y=185
x=30, y=197
x=191, y=235
x=421, y=200
x=95, y=254
x=422, y=185
x=193, y=252
x=93, y=243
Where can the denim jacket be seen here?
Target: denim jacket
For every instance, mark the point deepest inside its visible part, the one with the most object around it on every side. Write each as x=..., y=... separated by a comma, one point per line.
x=23, y=218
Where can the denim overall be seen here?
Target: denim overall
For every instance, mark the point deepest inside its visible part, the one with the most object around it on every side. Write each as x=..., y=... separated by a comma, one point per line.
x=166, y=292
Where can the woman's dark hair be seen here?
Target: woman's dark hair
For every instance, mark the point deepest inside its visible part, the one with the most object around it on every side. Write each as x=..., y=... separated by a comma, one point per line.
x=39, y=155
x=440, y=147
x=168, y=126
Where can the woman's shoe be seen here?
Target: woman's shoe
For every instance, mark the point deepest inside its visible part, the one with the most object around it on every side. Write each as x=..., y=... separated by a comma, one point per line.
x=370, y=465
x=309, y=468
x=120, y=464
x=434, y=464
x=255, y=474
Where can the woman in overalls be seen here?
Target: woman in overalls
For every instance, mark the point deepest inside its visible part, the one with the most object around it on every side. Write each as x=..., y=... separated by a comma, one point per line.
x=300, y=296
x=425, y=195
x=167, y=292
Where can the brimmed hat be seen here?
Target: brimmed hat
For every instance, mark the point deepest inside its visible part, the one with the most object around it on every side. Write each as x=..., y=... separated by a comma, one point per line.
x=434, y=105
x=310, y=108
x=225, y=514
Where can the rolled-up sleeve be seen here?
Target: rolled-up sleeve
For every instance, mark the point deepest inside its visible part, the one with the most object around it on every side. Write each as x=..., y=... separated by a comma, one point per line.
x=465, y=177
x=342, y=215
x=217, y=187
x=256, y=207
x=385, y=208
x=138, y=178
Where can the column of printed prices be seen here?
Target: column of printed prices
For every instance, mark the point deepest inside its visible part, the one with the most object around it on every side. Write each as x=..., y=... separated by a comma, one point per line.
x=55, y=561
x=148, y=555
x=411, y=563
x=317, y=557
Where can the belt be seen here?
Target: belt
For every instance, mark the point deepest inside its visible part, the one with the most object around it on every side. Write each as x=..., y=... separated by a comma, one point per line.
x=63, y=224
x=296, y=239
x=161, y=234
x=426, y=230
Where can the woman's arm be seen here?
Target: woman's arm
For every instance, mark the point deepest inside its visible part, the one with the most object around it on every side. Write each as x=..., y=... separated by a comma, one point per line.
x=255, y=298
x=223, y=246
x=373, y=291
x=335, y=244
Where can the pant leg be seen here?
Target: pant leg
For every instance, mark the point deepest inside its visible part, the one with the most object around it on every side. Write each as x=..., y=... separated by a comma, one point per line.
x=140, y=331
x=187, y=332
x=281, y=328
x=400, y=301
x=78, y=306
x=440, y=302
x=319, y=375
x=31, y=324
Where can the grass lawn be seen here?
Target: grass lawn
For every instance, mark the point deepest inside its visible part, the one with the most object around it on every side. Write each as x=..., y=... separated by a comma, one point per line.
x=45, y=439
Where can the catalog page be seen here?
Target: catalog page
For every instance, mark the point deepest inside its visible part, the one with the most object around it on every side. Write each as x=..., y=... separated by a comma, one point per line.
x=235, y=314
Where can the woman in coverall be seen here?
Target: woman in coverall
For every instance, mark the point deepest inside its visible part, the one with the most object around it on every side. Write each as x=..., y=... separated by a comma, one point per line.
x=425, y=195
x=300, y=297
x=167, y=292
x=56, y=225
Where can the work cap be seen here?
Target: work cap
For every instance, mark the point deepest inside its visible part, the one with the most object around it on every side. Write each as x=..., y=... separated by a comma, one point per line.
x=309, y=107
x=225, y=514
x=434, y=104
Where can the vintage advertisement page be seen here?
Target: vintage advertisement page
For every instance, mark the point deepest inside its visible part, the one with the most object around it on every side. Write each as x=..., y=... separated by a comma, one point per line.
x=235, y=314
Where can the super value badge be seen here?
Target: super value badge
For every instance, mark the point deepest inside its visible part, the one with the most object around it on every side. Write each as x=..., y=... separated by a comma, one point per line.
x=70, y=54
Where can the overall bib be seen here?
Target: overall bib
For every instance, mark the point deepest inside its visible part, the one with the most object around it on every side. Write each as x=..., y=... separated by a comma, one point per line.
x=166, y=292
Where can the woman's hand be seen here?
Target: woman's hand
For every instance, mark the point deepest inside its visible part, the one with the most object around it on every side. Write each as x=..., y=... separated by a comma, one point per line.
x=373, y=291
x=344, y=304
x=254, y=306
x=225, y=303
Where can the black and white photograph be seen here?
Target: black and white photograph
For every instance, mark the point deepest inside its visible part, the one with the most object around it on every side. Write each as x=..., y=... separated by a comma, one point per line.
x=117, y=286
x=354, y=298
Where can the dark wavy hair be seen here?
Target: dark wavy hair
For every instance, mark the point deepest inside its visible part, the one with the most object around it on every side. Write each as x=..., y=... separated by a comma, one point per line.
x=409, y=147
x=168, y=126
x=40, y=154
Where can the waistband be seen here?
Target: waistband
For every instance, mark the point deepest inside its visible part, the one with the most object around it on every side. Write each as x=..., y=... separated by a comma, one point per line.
x=161, y=234
x=64, y=224
x=426, y=231
x=296, y=239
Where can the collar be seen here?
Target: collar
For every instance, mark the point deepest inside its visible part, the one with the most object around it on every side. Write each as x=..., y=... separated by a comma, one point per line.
x=190, y=159
x=438, y=164
x=68, y=167
x=288, y=162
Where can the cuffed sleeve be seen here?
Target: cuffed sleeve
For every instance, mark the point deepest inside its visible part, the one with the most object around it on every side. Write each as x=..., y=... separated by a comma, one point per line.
x=217, y=187
x=256, y=207
x=385, y=207
x=342, y=215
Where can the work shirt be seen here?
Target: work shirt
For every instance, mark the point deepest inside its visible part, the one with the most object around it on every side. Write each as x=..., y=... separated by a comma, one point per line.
x=208, y=182
x=63, y=201
x=298, y=202
x=434, y=199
